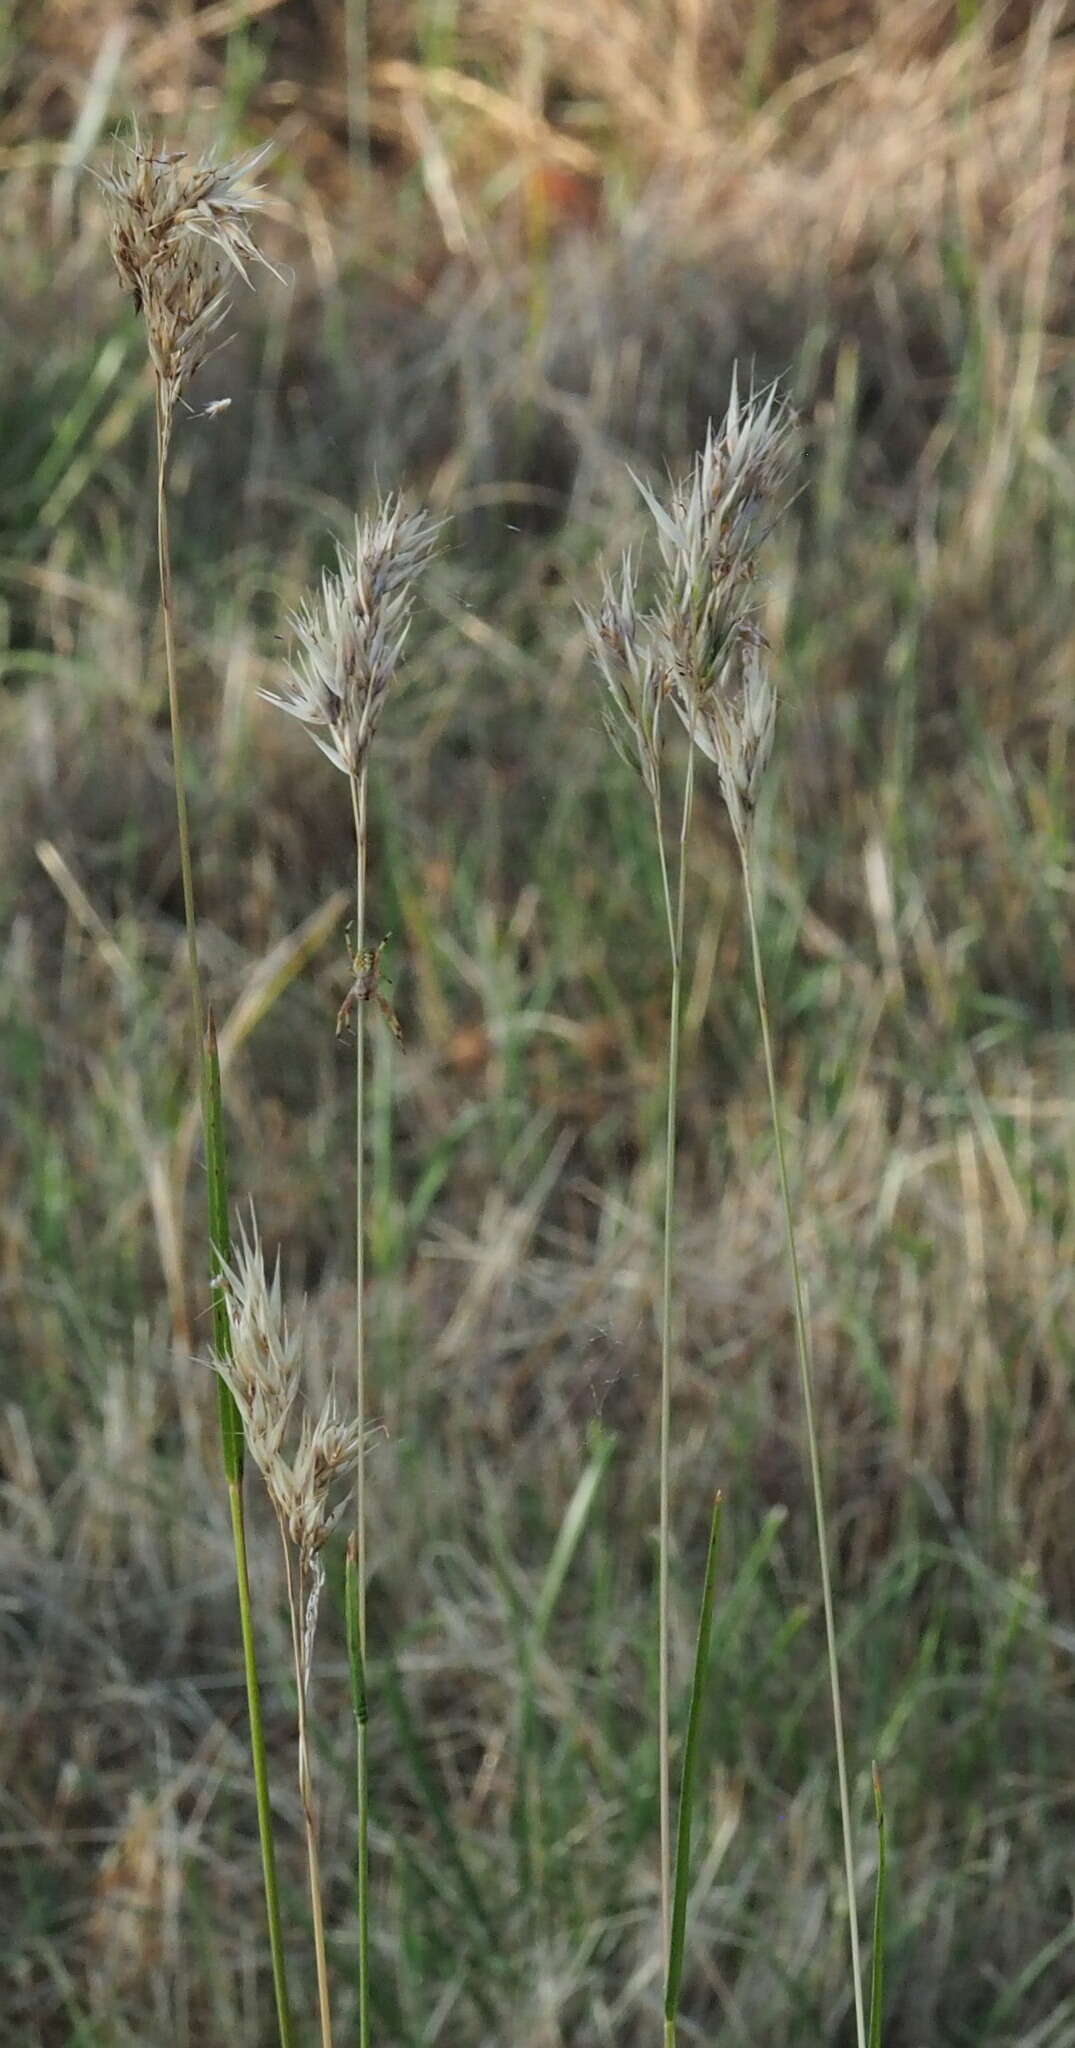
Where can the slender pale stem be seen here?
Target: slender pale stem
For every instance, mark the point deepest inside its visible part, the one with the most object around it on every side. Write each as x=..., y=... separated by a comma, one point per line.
x=674, y=913
x=164, y=562
x=260, y=1763
x=806, y=1375
x=297, y=1589
x=359, y=806
x=235, y=1497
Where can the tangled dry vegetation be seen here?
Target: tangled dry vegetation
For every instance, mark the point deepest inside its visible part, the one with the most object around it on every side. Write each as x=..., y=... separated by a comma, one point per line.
x=527, y=246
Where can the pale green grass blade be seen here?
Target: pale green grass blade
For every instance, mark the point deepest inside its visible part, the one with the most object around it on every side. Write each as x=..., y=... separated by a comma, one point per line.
x=681, y=1887
x=877, y=1970
x=534, y=1831
x=569, y=1534
x=1039, y=1966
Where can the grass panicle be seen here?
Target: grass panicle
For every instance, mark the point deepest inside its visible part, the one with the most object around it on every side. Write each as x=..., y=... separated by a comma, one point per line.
x=350, y=636
x=179, y=232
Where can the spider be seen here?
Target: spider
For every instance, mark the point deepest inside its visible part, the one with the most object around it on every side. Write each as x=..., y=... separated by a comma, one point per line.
x=366, y=988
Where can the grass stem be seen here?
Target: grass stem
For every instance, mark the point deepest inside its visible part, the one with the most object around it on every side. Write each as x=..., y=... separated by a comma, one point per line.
x=877, y=1972
x=164, y=564
x=674, y=913
x=359, y=807
x=688, y=1781
x=806, y=1375
x=261, y=1767
x=297, y=1590
x=209, y=1086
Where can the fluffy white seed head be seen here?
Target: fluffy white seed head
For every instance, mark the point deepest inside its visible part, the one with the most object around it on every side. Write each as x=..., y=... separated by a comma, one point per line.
x=178, y=231
x=734, y=725
x=263, y=1370
x=631, y=675
x=700, y=645
x=327, y=1451
x=350, y=635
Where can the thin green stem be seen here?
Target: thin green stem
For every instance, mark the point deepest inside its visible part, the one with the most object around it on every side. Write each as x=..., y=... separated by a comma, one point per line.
x=261, y=1768
x=359, y=807
x=689, y=1776
x=674, y=913
x=806, y=1375
x=230, y=1427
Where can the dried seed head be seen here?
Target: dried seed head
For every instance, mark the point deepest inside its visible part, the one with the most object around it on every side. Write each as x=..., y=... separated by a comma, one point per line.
x=177, y=229
x=327, y=1451
x=734, y=725
x=263, y=1374
x=350, y=635
x=625, y=660
x=701, y=644
x=262, y=1371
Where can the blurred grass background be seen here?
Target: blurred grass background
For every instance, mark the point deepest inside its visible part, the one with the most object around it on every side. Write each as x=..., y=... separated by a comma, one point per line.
x=527, y=245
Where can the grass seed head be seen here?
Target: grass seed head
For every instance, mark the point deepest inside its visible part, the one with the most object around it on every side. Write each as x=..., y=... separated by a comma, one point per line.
x=708, y=639
x=350, y=635
x=178, y=230
x=263, y=1373
x=262, y=1370
x=630, y=674
x=701, y=645
x=327, y=1451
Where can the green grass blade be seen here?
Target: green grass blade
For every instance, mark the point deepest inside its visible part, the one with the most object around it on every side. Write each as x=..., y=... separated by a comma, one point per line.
x=532, y=1832
x=569, y=1534
x=690, y=1770
x=216, y=1161
x=877, y=1971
